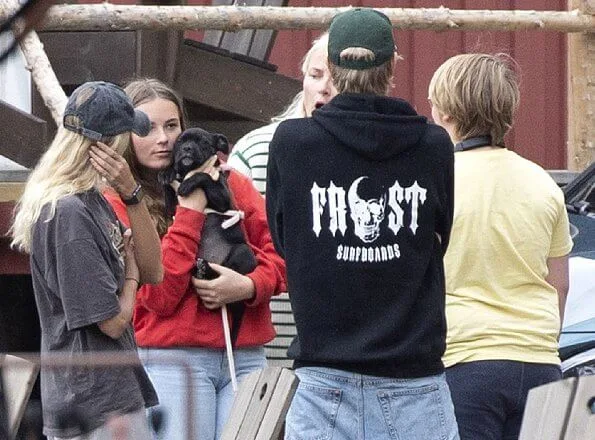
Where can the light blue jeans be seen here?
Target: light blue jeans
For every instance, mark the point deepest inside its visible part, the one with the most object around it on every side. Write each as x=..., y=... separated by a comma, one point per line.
x=338, y=405
x=206, y=382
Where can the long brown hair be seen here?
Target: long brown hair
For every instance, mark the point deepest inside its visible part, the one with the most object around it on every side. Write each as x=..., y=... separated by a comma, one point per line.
x=140, y=92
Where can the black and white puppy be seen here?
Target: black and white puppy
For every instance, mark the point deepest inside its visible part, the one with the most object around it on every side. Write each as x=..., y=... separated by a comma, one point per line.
x=220, y=243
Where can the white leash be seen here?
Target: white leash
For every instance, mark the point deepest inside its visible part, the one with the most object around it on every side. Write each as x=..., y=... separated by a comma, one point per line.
x=234, y=217
x=229, y=348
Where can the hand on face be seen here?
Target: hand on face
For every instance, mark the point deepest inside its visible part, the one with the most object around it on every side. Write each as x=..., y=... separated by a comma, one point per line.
x=112, y=168
x=229, y=287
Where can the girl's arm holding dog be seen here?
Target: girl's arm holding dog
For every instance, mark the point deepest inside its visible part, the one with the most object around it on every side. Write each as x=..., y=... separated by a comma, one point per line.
x=115, y=170
x=268, y=278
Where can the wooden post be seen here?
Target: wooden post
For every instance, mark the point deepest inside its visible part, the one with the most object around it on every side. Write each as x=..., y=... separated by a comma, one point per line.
x=109, y=17
x=581, y=93
x=42, y=73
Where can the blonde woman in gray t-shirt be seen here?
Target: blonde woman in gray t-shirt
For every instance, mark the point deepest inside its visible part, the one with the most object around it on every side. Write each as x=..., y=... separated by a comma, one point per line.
x=85, y=270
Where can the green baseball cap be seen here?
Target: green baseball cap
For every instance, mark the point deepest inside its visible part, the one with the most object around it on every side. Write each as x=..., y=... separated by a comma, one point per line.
x=361, y=27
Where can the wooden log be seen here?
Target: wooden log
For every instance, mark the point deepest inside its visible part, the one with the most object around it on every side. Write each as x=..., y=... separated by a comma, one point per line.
x=106, y=16
x=581, y=94
x=42, y=73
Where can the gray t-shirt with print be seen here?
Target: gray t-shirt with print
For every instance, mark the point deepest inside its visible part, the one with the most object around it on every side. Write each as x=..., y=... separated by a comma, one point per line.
x=78, y=271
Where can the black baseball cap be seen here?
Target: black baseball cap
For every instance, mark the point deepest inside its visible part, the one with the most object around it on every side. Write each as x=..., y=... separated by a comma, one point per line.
x=99, y=109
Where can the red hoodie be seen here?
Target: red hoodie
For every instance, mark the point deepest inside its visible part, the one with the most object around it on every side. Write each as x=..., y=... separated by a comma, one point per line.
x=170, y=314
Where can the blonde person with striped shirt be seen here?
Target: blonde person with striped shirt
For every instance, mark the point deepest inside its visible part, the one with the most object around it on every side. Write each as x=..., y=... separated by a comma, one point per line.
x=250, y=154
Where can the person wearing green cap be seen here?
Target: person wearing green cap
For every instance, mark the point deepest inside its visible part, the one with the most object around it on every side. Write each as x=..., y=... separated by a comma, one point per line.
x=360, y=205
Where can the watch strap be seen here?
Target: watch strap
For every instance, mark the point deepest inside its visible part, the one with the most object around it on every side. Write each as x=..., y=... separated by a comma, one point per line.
x=136, y=197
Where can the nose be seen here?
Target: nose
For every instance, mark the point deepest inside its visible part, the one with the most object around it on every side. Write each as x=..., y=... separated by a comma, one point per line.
x=161, y=136
x=326, y=85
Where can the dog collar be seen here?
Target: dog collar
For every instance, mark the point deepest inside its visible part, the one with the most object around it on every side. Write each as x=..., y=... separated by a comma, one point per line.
x=234, y=216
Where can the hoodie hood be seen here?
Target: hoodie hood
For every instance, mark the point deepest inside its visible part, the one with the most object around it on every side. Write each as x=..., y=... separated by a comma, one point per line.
x=381, y=127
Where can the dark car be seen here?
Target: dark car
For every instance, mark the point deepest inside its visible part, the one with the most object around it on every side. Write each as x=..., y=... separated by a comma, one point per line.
x=577, y=340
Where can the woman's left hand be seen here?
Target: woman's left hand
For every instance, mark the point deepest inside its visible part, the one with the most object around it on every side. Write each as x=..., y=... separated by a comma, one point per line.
x=113, y=168
x=129, y=258
x=229, y=287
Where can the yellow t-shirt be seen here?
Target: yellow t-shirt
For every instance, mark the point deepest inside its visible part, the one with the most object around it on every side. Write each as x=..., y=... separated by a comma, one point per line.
x=509, y=219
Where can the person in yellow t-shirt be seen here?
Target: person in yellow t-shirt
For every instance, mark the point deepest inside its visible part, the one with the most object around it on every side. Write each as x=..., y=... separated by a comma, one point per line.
x=507, y=262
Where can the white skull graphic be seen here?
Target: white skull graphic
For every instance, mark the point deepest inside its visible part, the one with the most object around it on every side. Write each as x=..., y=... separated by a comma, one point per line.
x=367, y=215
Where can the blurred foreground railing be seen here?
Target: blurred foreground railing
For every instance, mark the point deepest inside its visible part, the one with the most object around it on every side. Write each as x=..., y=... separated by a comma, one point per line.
x=19, y=372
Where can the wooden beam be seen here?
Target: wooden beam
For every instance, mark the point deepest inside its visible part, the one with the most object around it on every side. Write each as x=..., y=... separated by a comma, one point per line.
x=41, y=70
x=224, y=84
x=23, y=137
x=78, y=57
x=107, y=16
x=581, y=93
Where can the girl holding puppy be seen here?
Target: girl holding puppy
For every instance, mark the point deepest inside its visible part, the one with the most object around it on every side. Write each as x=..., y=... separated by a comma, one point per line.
x=178, y=322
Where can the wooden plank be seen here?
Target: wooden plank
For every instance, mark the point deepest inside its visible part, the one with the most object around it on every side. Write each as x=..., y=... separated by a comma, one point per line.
x=281, y=341
x=25, y=144
x=156, y=54
x=273, y=421
x=287, y=330
x=78, y=57
x=277, y=354
x=283, y=318
x=581, y=421
x=214, y=37
x=228, y=85
x=240, y=406
x=259, y=403
x=18, y=378
x=546, y=411
x=253, y=43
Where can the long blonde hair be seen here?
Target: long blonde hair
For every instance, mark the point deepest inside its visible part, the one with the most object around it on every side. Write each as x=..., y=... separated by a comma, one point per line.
x=296, y=108
x=63, y=170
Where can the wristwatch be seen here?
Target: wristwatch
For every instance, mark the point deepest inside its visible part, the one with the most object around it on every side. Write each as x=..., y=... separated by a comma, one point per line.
x=136, y=197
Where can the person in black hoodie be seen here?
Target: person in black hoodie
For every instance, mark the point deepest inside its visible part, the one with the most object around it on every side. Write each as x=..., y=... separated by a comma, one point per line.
x=360, y=204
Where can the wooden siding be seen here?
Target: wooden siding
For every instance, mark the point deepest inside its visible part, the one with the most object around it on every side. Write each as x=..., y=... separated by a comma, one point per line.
x=540, y=130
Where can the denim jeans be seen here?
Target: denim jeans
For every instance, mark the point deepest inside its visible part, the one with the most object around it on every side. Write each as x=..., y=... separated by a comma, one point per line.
x=490, y=396
x=212, y=393
x=338, y=405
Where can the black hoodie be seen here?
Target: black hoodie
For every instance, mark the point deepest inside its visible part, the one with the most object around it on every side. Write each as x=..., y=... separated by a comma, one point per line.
x=360, y=204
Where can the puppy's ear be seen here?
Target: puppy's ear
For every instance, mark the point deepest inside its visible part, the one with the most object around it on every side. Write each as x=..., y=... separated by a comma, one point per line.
x=166, y=176
x=221, y=143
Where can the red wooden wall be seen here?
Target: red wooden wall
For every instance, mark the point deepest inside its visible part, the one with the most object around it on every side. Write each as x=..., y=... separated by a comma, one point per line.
x=540, y=129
